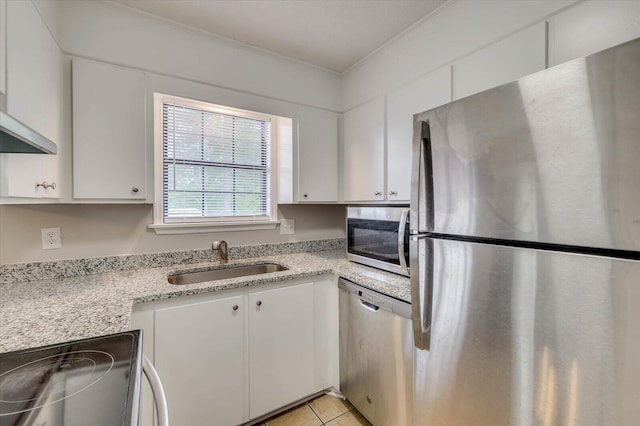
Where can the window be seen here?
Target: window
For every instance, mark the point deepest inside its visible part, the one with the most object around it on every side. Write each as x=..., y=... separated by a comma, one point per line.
x=213, y=165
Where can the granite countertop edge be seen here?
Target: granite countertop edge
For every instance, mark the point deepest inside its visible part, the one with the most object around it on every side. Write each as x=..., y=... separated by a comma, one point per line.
x=51, y=311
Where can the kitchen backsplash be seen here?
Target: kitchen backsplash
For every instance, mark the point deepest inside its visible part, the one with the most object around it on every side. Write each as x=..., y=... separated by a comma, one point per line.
x=36, y=271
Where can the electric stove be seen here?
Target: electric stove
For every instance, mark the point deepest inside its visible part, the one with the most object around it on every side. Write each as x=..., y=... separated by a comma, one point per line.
x=85, y=382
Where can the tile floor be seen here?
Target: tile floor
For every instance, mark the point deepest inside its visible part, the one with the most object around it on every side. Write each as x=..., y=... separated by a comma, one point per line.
x=323, y=410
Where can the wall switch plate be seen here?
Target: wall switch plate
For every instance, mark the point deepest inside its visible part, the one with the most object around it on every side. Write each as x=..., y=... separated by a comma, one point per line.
x=287, y=226
x=51, y=238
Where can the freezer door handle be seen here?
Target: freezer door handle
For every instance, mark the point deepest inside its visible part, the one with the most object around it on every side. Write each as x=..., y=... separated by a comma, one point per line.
x=421, y=179
x=421, y=290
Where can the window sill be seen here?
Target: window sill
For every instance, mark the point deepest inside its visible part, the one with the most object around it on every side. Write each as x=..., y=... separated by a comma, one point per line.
x=199, y=228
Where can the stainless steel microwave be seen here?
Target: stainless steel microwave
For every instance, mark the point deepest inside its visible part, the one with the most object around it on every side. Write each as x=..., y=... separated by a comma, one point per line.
x=379, y=237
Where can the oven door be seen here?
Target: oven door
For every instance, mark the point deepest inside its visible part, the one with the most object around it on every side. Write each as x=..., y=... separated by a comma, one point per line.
x=379, y=237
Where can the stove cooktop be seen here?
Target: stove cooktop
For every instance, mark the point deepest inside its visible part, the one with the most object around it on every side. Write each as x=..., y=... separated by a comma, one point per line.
x=86, y=382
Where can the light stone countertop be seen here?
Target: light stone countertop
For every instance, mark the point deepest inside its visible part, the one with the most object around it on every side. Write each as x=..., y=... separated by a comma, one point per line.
x=56, y=310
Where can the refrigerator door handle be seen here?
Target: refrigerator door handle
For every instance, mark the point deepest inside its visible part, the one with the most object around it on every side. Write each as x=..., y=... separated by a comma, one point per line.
x=421, y=290
x=401, y=232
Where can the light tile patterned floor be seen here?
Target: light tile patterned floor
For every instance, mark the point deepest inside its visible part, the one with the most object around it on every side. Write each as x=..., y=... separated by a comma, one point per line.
x=324, y=410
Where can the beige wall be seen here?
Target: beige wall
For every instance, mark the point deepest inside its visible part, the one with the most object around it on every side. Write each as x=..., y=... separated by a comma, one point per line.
x=104, y=230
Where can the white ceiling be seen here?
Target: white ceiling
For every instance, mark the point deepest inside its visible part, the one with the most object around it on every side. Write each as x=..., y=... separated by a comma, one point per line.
x=332, y=34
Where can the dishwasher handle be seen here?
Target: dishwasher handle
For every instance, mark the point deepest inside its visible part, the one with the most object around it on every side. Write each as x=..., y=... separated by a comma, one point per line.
x=375, y=301
x=369, y=306
x=159, y=397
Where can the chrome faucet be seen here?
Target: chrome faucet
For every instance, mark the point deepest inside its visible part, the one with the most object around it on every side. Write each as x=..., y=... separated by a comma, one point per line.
x=223, y=250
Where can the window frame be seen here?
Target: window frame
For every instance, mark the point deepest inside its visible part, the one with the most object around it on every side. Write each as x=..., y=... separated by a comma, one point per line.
x=212, y=224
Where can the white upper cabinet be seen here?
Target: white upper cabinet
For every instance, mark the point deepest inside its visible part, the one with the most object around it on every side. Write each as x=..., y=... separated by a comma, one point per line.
x=509, y=59
x=34, y=96
x=576, y=32
x=363, y=152
x=427, y=92
x=317, y=156
x=109, y=134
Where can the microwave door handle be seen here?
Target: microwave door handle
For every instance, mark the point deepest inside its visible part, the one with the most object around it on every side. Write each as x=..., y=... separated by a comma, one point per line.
x=402, y=227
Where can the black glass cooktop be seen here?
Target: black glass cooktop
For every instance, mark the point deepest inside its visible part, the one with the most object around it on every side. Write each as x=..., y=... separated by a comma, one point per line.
x=86, y=382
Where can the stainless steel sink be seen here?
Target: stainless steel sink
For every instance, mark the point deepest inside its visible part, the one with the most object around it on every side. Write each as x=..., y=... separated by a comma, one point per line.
x=224, y=273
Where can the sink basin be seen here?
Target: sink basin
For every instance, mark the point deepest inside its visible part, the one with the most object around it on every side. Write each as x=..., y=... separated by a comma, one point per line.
x=224, y=273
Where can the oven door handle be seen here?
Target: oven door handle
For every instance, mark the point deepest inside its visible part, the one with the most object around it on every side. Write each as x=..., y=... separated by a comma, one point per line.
x=158, y=391
x=402, y=228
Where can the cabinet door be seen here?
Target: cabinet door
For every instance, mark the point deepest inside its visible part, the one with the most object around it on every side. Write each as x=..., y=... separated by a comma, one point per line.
x=34, y=72
x=109, y=155
x=199, y=354
x=588, y=27
x=30, y=176
x=363, y=152
x=317, y=156
x=281, y=342
x=34, y=96
x=429, y=91
x=516, y=56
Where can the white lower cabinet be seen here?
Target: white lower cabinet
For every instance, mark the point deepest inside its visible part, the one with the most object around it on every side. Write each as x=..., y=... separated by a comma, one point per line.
x=199, y=354
x=225, y=358
x=281, y=347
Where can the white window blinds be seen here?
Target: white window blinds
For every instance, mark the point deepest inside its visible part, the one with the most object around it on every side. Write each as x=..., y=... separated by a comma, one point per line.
x=215, y=165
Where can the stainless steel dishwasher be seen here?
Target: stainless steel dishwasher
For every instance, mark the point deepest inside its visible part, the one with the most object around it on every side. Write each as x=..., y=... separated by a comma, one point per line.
x=376, y=355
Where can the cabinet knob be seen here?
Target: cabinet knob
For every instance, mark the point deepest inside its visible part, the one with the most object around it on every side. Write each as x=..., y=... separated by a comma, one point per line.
x=378, y=193
x=135, y=190
x=393, y=193
x=46, y=185
x=235, y=307
x=305, y=195
x=259, y=303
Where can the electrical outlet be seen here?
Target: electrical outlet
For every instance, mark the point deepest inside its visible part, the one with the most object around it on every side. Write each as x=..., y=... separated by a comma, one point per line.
x=51, y=238
x=287, y=226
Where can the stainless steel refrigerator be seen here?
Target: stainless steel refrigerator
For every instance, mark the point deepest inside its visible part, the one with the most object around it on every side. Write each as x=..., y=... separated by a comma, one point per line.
x=525, y=215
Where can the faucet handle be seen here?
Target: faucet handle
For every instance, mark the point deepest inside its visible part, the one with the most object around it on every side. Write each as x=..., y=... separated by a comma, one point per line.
x=217, y=245
x=222, y=248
